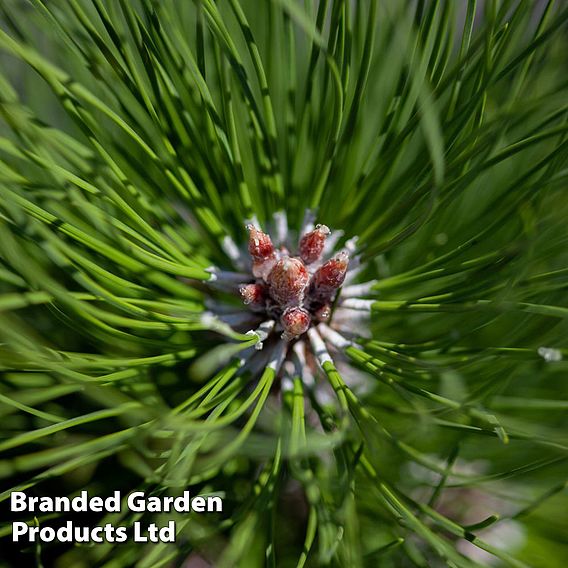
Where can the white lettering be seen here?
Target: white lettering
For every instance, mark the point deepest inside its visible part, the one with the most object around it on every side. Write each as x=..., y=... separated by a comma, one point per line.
x=198, y=504
x=17, y=501
x=182, y=504
x=47, y=534
x=138, y=533
x=112, y=504
x=168, y=534
x=136, y=502
x=96, y=504
x=19, y=528
x=121, y=534
x=80, y=503
x=218, y=508
x=95, y=534
x=154, y=505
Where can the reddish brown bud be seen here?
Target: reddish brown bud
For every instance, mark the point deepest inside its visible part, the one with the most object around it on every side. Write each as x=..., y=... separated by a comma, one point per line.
x=253, y=294
x=295, y=321
x=260, y=246
x=288, y=280
x=312, y=243
x=330, y=276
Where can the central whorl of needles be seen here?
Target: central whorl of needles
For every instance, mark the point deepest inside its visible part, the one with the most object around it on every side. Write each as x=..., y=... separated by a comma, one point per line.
x=289, y=284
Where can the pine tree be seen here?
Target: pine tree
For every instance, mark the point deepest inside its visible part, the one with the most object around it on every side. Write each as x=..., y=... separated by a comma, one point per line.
x=307, y=256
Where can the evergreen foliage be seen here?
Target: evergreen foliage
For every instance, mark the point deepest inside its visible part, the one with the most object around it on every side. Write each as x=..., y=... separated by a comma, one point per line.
x=137, y=136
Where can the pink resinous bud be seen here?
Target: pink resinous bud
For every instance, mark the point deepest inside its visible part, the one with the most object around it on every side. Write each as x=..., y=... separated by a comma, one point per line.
x=295, y=321
x=262, y=252
x=253, y=295
x=312, y=243
x=260, y=246
x=288, y=280
x=330, y=276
